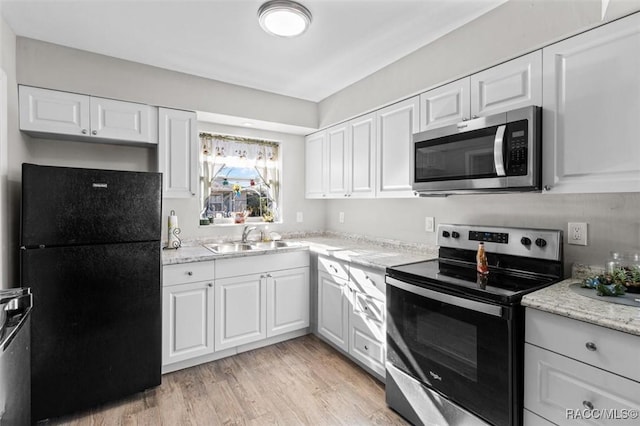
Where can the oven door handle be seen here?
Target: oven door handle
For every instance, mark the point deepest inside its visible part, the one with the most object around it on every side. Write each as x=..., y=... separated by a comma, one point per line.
x=484, y=308
x=498, y=152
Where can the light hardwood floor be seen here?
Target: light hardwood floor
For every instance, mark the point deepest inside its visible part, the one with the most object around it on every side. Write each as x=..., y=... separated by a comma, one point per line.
x=298, y=382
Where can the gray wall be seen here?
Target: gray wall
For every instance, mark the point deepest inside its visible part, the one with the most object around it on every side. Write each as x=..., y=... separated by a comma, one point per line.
x=510, y=30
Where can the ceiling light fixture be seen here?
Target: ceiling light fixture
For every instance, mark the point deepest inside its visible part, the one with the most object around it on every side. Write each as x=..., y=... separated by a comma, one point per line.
x=284, y=18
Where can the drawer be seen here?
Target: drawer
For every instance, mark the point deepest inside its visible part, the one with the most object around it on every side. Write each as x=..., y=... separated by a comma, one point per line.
x=366, y=343
x=333, y=267
x=557, y=386
x=601, y=347
x=368, y=306
x=187, y=272
x=368, y=280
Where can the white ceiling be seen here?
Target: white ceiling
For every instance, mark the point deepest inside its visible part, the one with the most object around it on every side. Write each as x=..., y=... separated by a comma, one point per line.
x=222, y=40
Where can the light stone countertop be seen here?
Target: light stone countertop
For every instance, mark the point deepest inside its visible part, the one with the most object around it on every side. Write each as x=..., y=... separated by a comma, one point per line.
x=560, y=299
x=359, y=250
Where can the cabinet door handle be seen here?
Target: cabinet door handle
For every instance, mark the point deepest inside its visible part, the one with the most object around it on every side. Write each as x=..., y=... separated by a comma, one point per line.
x=210, y=284
x=189, y=273
x=84, y=131
x=547, y=188
x=366, y=348
x=269, y=276
x=587, y=404
x=94, y=132
x=333, y=268
x=591, y=346
x=366, y=307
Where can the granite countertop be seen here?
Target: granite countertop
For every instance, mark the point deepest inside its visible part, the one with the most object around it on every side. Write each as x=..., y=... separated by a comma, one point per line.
x=560, y=299
x=372, y=253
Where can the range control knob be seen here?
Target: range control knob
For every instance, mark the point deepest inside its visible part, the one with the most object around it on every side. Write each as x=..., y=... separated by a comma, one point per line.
x=445, y=234
x=525, y=241
x=455, y=234
x=541, y=242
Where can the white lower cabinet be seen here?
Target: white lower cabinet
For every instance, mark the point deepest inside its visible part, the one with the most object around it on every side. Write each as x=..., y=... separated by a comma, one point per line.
x=351, y=311
x=187, y=321
x=579, y=373
x=187, y=311
x=260, y=296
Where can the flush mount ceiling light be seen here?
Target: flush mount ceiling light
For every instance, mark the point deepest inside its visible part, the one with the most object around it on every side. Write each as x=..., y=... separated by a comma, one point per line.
x=284, y=18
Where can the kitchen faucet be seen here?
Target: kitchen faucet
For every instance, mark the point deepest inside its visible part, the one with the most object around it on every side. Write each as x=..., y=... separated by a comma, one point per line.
x=246, y=231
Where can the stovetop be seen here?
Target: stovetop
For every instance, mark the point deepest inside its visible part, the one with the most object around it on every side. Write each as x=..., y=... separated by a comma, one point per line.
x=500, y=286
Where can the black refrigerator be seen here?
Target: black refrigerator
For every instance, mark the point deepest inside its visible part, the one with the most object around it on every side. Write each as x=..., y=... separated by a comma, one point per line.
x=90, y=251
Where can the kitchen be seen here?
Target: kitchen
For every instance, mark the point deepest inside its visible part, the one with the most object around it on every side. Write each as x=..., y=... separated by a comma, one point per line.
x=611, y=217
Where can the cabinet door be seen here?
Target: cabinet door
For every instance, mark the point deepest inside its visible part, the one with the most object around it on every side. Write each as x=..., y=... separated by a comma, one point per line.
x=315, y=169
x=240, y=311
x=337, y=143
x=591, y=105
x=444, y=105
x=511, y=85
x=396, y=125
x=187, y=321
x=333, y=310
x=50, y=111
x=178, y=152
x=126, y=121
x=362, y=157
x=287, y=301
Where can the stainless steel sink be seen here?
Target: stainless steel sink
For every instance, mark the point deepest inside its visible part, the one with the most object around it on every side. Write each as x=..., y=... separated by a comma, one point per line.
x=229, y=247
x=236, y=247
x=272, y=245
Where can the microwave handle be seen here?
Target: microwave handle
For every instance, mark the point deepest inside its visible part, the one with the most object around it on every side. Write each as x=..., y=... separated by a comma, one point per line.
x=498, y=152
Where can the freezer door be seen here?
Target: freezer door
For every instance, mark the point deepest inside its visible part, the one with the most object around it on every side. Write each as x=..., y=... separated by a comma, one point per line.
x=96, y=324
x=68, y=206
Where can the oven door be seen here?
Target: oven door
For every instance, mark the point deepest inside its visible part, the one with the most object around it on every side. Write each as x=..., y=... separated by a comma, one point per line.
x=459, y=347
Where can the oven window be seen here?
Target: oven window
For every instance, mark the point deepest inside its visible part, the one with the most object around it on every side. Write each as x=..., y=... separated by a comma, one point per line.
x=447, y=341
x=467, y=155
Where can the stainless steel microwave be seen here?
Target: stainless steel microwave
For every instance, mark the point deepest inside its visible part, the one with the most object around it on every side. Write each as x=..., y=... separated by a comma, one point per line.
x=500, y=152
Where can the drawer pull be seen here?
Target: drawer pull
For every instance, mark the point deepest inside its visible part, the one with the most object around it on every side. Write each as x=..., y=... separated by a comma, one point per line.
x=366, y=348
x=591, y=346
x=587, y=404
x=333, y=268
x=366, y=308
x=189, y=273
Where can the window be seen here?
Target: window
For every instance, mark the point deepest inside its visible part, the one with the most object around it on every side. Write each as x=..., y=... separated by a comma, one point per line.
x=239, y=180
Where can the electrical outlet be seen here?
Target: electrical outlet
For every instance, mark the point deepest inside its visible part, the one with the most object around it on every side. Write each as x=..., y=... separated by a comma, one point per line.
x=299, y=217
x=341, y=217
x=429, y=224
x=577, y=233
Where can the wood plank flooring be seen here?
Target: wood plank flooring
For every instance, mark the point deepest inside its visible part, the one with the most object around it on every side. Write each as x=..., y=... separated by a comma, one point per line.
x=298, y=382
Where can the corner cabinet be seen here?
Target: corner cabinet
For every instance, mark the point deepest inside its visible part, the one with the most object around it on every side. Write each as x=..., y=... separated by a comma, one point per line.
x=340, y=161
x=510, y=85
x=64, y=115
x=591, y=106
x=396, y=125
x=178, y=152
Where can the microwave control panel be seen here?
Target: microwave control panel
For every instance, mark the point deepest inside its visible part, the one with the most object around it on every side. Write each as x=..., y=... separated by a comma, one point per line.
x=517, y=152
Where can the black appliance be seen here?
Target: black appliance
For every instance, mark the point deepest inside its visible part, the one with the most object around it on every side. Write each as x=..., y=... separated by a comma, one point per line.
x=501, y=152
x=15, y=342
x=455, y=338
x=90, y=251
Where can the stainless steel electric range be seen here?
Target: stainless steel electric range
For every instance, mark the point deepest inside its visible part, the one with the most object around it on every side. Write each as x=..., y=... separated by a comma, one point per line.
x=455, y=338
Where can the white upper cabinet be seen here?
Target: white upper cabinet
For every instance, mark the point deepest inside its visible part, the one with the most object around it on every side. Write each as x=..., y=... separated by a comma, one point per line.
x=396, y=125
x=361, y=170
x=337, y=155
x=178, y=152
x=511, y=85
x=55, y=114
x=315, y=170
x=340, y=161
x=591, y=106
x=448, y=104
